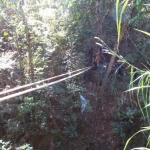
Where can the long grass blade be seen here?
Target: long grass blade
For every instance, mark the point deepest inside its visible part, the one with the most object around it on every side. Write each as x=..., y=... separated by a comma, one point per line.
x=143, y=130
x=141, y=148
x=137, y=88
x=117, y=13
x=143, y=32
x=120, y=18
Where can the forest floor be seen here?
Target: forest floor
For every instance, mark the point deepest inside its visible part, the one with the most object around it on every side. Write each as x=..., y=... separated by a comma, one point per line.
x=95, y=131
x=100, y=120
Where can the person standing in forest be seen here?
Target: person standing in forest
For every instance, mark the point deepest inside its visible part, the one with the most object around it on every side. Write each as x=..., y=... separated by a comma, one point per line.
x=119, y=67
x=97, y=59
x=89, y=56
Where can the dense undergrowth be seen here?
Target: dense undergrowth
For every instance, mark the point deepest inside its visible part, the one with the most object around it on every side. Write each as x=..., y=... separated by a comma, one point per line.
x=41, y=39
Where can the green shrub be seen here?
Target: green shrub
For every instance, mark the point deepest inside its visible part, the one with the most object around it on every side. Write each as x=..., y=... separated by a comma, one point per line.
x=7, y=145
x=126, y=122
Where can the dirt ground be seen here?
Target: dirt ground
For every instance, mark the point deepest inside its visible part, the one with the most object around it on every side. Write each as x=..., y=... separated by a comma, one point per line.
x=100, y=120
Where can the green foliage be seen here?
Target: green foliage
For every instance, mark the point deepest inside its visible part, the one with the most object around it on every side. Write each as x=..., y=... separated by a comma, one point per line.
x=141, y=11
x=33, y=33
x=7, y=145
x=6, y=61
x=25, y=147
x=126, y=122
x=4, y=145
x=143, y=79
x=40, y=114
x=47, y=38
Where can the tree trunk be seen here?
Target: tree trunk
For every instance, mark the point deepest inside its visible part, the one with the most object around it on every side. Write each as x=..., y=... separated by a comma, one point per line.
x=30, y=58
x=30, y=55
x=21, y=65
x=116, y=50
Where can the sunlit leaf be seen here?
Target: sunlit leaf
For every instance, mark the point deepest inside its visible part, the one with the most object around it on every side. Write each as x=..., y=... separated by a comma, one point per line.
x=5, y=33
x=141, y=148
x=143, y=32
